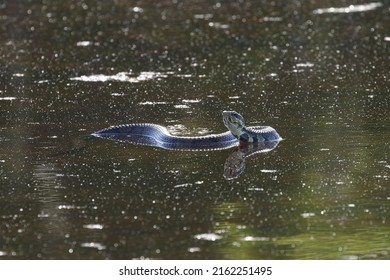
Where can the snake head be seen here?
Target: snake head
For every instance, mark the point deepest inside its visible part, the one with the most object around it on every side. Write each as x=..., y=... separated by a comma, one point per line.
x=234, y=122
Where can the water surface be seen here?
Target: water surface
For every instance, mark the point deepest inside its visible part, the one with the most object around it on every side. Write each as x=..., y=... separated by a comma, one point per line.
x=316, y=72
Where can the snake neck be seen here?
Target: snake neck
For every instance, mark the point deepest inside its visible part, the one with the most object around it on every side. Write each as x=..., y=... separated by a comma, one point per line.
x=247, y=136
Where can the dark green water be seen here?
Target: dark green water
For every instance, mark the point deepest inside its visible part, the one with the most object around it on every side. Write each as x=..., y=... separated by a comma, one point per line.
x=319, y=76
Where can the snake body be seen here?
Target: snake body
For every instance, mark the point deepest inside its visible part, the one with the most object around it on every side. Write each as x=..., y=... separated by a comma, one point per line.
x=158, y=136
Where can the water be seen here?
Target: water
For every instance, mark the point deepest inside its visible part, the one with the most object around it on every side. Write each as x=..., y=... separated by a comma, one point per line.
x=316, y=72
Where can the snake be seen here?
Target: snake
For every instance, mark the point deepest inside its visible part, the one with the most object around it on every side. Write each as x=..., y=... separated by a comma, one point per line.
x=158, y=136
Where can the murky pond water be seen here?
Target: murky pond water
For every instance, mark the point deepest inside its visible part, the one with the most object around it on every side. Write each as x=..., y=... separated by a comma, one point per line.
x=316, y=71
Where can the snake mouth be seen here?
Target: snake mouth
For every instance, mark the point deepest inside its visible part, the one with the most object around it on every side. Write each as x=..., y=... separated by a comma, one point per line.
x=226, y=118
x=232, y=118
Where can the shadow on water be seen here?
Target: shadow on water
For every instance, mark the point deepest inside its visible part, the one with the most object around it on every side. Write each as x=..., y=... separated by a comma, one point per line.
x=316, y=71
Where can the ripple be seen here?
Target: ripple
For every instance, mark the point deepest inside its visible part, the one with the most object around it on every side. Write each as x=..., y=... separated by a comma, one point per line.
x=203, y=16
x=268, y=171
x=191, y=100
x=130, y=77
x=255, y=238
x=349, y=9
x=94, y=245
x=183, y=185
x=305, y=64
x=208, y=236
x=218, y=25
x=93, y=226
x=153, y=103
x=121, y=77
x=272, y=19
x=194, y=249
x=181, y=106
x=8, y=98
x=68, y=207
x=84, y=43
x=307, y=215
x=137, y=10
